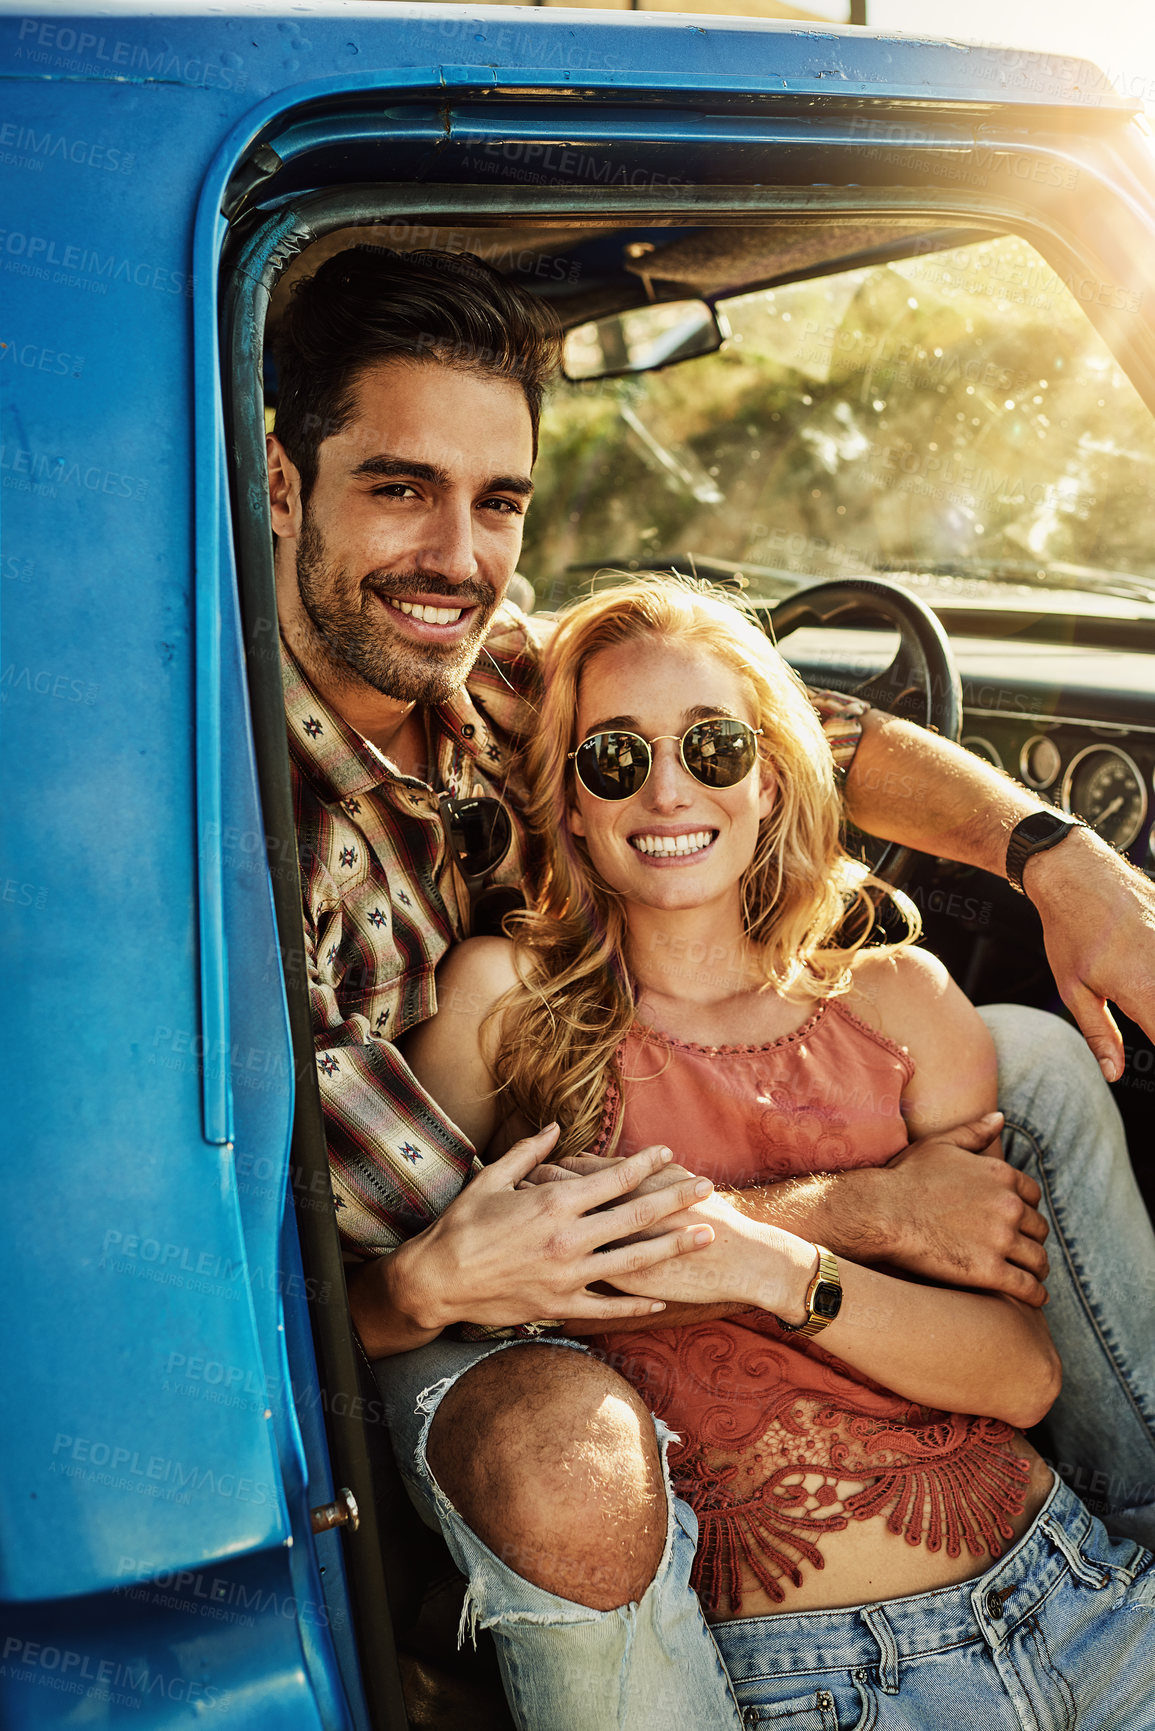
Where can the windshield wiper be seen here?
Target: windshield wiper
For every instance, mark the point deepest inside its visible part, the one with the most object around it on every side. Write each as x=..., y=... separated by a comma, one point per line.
x=686, y=469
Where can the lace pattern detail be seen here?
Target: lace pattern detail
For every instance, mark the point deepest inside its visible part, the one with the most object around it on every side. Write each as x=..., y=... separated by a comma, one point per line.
x=775, y=1454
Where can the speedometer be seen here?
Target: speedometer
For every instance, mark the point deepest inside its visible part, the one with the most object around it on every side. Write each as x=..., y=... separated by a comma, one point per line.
x=1103, y=785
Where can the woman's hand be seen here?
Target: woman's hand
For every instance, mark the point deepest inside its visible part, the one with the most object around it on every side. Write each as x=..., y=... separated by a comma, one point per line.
x=506, y=1252
x=747, y=1263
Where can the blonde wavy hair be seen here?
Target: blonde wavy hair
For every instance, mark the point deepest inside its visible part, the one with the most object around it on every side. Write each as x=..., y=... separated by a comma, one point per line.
x=805, y=902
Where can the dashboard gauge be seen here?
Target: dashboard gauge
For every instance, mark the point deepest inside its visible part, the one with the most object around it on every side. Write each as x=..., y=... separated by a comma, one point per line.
x=1039, y=761
x=982, y=748
x=1103, y=785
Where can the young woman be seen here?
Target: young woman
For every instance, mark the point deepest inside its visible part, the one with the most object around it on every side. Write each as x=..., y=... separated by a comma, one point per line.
x=848, y=1438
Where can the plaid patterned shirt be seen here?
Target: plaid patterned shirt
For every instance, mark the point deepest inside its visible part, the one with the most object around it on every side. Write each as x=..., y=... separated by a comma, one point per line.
x=381, y=909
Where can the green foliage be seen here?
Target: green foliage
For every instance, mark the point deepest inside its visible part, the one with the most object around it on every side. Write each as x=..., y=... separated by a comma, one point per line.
x=953, y=408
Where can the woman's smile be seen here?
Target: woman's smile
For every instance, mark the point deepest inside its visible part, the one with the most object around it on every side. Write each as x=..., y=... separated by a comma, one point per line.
x=673, y=847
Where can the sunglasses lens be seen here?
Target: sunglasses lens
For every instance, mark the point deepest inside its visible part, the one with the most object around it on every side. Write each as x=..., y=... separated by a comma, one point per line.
x=613, y=765
x=720, y=753
x=480, y=833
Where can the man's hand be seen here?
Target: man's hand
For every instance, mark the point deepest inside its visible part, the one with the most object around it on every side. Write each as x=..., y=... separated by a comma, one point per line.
x=960, y=1215
x=505, y=1252
x=1098, y=917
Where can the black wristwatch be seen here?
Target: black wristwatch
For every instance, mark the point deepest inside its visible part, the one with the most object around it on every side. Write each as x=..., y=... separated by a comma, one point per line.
x=823, y=1297
x=1035, y=834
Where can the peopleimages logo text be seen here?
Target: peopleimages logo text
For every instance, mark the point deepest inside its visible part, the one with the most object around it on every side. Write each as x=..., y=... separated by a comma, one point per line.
x=43, y=253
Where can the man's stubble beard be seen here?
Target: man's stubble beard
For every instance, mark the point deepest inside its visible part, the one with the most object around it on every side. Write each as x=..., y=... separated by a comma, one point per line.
x=350, y=636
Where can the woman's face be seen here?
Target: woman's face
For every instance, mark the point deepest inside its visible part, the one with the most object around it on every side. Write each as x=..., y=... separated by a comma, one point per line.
x=655, y=686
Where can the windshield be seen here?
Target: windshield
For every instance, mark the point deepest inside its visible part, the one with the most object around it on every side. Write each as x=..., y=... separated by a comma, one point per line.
x=954, y=414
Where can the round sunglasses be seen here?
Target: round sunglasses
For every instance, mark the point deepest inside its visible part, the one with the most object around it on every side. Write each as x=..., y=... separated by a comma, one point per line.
x=616, y=765
x=479, y=833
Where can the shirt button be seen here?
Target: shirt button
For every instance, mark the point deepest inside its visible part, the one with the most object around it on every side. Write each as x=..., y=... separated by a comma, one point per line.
x=468, y=730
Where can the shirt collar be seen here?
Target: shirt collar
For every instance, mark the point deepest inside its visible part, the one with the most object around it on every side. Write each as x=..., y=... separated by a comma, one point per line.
x=339, y=761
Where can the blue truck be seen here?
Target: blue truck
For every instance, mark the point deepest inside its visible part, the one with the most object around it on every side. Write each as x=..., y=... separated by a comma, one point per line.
x=198, y=1522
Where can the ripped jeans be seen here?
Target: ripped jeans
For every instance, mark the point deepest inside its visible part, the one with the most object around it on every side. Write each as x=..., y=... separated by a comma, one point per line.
x=643, y=1667
x=650, y=1666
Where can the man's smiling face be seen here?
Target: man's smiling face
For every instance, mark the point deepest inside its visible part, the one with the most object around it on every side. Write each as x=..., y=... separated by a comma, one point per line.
x=407, y=543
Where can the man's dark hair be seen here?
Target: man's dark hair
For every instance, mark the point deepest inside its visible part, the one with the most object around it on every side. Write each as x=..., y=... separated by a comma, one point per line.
x=372, y=304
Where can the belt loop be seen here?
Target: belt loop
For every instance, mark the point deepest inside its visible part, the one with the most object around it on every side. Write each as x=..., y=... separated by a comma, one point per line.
x=876, y=1621
x=1063, y=1541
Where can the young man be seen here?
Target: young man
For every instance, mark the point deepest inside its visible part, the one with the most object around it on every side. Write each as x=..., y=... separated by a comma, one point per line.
x=400, y=470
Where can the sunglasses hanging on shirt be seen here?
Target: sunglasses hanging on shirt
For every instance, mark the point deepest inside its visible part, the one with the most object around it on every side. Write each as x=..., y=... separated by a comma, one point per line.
x=479, y=835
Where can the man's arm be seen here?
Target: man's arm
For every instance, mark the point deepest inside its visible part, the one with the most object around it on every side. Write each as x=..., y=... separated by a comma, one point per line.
x=909, y=786
x=946, y=1209
x=396, y=1158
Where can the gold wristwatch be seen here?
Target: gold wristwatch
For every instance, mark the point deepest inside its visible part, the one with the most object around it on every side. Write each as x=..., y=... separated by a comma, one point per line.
x=823, y=1297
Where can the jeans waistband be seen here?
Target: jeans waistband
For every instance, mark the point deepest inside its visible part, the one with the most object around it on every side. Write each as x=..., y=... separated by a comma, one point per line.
x=988, y=1607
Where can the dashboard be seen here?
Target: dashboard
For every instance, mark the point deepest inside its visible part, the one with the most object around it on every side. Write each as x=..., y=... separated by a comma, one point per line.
x=1100, y=772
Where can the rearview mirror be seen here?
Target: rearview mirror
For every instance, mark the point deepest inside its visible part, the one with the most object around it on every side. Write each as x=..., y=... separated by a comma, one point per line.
x=642, y=340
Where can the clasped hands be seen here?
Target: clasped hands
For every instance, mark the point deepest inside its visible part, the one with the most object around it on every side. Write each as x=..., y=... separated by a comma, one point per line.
x=948, y=1209
x=597, y=1240
x=514, y=1247
x=739, y=1263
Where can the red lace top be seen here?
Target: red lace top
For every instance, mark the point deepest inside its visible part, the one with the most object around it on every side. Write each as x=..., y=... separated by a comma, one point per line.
x=779, y=1442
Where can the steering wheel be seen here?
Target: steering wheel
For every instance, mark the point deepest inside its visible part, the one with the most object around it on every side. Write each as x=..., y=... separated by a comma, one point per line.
x=922, y=682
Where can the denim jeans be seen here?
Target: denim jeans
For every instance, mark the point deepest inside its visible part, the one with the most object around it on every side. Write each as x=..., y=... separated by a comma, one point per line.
x=655, y=1664
x=643, y=1667
x=1064, y=1129
x=1058, y=1633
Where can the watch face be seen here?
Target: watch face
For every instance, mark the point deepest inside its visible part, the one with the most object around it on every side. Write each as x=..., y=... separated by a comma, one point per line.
x=1042, y=826
x=827, y=1300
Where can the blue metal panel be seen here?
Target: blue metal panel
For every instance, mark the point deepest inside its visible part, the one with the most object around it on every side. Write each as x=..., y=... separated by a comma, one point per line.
x=148, y=1413
x=137, y=1236
x=256, y=50
x=148, y=1425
